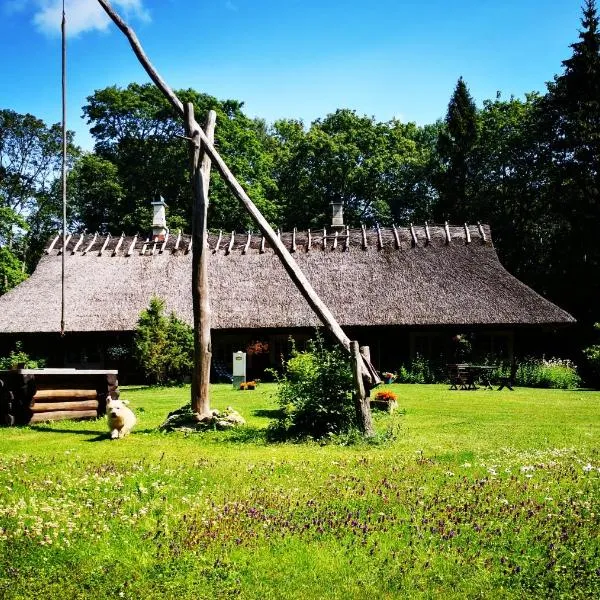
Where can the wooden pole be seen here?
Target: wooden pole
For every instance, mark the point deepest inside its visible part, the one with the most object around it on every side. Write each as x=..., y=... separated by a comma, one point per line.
x=361, y=402
x=200, y=168
x=288, y=262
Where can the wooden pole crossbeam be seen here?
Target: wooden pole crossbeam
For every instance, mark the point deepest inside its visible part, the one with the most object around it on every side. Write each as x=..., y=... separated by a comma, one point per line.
x=89, y=246
x=396, y=238
x=413, y=234
x=164, y=244
x=107, y=239
x=218, y=241
x=295, y=273
x=51, y=247
x=200, y=166
x=119, y=243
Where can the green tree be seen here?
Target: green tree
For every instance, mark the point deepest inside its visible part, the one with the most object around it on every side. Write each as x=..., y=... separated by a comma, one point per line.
x=137, y=132
x=372, y=167
x=163, y=346
x=509, y=171
x=30, y=161
x=572, y=114
x=95, y=194
x=455, y=146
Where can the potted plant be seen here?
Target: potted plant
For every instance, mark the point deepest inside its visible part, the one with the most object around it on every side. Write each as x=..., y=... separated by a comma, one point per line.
x=388, y=377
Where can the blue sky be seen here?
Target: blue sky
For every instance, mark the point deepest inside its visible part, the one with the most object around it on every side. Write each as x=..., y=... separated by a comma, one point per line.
x=292, y=58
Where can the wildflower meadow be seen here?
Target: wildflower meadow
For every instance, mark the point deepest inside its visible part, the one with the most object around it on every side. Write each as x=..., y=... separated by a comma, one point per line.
x=461, y=494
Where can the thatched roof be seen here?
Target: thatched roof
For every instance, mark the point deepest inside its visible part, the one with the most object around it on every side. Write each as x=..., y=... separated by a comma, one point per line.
x=392, y=276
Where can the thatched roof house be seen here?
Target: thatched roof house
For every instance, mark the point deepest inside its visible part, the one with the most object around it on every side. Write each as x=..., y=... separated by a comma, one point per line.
x=431, y=276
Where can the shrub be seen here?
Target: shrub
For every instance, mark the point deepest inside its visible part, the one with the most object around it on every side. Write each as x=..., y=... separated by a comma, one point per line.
x=19, y=356
x=163, y=346
x=547, y=373
x=421, y=370
x=592, y=355
x=315, y=393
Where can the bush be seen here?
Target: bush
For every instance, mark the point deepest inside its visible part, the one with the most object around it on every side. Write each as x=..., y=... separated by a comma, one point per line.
x=547, y=373
x=592, y=355
x=18, y=356
x=421, y=370
x=315, y=393
x=163, y=346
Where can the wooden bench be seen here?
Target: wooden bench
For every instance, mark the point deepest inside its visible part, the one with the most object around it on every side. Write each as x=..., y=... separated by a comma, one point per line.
x=460, y=375
x=36, y=395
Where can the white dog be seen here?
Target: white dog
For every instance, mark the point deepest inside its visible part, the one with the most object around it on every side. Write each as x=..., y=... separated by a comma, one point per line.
x=121, y=419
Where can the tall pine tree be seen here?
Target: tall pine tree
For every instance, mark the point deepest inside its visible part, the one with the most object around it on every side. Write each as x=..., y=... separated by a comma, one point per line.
x=573, y=103
x=455, y=146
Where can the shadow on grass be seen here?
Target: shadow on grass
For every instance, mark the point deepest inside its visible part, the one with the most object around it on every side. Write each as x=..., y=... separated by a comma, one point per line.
x=245, y=435
x=104, y=435
x=273, y=413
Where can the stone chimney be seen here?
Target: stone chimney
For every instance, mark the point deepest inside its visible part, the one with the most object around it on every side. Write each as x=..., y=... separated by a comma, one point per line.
x=159, y=220
x=337, y=216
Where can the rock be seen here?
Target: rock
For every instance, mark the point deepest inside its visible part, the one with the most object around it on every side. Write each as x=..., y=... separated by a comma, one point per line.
x=183, y=419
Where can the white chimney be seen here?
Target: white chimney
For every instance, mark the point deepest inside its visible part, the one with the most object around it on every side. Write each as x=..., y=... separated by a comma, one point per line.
x=159, y=220
x=337, y=217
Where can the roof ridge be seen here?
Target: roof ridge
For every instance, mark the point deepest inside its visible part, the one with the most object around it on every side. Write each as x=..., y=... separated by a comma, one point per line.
x=339, y=239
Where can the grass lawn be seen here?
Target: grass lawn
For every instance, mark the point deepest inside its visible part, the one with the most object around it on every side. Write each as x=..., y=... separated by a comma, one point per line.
x=478, y=494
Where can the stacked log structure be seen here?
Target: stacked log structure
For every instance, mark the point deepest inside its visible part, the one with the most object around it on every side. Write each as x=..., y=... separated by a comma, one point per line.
x=37, y=395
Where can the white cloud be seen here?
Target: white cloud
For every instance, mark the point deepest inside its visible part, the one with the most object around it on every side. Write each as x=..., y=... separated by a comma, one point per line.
x=82, y=15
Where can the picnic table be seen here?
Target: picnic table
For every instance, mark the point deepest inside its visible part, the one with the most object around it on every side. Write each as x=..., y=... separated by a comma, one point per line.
x=467, y=376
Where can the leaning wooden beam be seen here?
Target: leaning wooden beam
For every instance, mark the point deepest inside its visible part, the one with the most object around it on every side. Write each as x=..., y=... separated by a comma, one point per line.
x=119, y=243
x=132, y=245
x=413, y=234
x=427, y=234
x=51, y=247
x=294, y=240
x=218, y=241
x=79, y=242
x=231, y=242
x=481, y=231
x=200, y=167
x=364, y=237
x=143, y=250
x=447, y=230
x=262, y=244
x=104, y=245
x=467, y=234
x=396, y=238
x=177, y=241
x=247, y=244
x=379, y=240
x=89, y=246
x=290, y=265
x=164, y=244
x=66, y=244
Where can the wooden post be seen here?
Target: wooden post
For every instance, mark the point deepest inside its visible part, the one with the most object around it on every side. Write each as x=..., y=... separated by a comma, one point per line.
x=361, y=401
x=290, y=265
x=200, y=166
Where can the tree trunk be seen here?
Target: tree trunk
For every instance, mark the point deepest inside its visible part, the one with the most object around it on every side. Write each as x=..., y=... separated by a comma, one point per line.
x=200, y=169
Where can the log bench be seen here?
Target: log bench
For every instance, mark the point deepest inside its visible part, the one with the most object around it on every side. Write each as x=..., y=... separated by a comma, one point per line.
x=37, y=395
